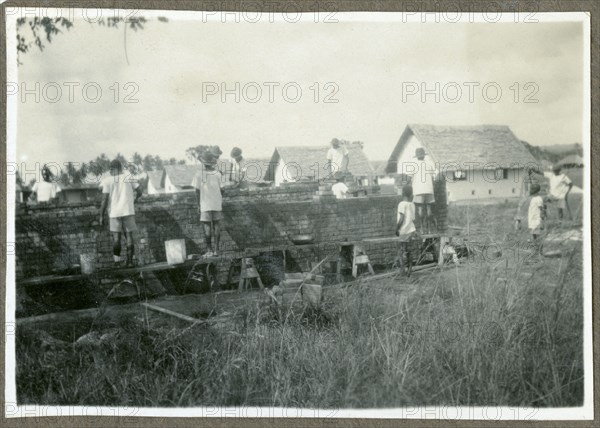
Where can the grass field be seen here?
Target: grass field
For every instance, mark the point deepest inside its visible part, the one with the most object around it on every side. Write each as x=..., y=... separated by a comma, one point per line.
x=505, y=330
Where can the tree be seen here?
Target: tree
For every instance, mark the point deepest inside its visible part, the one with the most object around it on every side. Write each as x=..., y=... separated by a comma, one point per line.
x=158, y=163
x=137, y=159
x=99, y=165
x=37, y=30
x=122, y=160
x=148, y=163
x=194, y=153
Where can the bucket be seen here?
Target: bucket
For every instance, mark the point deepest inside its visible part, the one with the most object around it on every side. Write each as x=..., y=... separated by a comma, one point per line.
x=175, y=249
x=88, y=263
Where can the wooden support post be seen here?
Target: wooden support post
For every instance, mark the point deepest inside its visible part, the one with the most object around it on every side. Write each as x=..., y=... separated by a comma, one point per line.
x=242, y=279
x=443, y=242
x=359, y=257
x=338, y=267
x=248, y=272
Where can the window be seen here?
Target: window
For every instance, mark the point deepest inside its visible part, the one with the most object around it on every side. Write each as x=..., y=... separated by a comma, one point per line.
x=459, y=175
x=502, y=174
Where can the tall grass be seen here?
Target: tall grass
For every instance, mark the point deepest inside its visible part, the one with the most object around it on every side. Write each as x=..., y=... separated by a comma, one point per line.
x=484, y=334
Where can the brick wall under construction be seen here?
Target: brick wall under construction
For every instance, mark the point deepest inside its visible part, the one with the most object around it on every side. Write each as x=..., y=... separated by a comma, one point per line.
x=53, y=237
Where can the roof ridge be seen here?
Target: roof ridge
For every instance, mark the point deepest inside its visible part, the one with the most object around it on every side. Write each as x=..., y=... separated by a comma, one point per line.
x=483, y=125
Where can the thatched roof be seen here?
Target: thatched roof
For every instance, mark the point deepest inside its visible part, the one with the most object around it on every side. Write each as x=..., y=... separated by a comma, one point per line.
x=479, y=145
x=181, y=175
x=156, y=178
x=379, y=167
x=571, y=160
x=311, y=157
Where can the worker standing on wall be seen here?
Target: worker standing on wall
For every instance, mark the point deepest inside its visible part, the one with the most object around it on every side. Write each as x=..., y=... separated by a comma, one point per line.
x=237, y=174
x=119, y=192
x=46, y=190
x=337, y=158
x=422, y=182
x=208, y=183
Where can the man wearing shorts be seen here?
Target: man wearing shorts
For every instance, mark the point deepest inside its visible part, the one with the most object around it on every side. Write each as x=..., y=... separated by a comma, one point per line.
x=337, y=158
x=560, y=186
x=119, y=192
x=208, y=183
x=422, y=183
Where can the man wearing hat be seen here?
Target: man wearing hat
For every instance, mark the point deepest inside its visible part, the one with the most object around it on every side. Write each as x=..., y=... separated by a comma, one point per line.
x=119, y=192
x=238, y=170
x=208, y=183
x=422, y=184
x=560, y=186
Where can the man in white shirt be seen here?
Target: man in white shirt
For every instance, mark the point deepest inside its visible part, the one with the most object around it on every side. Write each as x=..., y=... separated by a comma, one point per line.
x=119, y=192
x=208, y=183
x=238, y=169
x=46, y=190
x=405, y=229
x=560, y=186
x=535, y=217
x=337, y=157
x=422, y=184
x=339, y=189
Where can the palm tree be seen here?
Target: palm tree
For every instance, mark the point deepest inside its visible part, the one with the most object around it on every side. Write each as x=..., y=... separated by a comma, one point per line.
x=137, y=159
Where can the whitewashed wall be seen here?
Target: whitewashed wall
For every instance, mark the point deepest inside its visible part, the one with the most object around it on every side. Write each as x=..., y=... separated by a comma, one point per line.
x=153, y=190
x=480, y=184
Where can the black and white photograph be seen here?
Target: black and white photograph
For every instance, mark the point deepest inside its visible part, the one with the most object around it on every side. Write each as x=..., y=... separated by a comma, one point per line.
x=298, y=212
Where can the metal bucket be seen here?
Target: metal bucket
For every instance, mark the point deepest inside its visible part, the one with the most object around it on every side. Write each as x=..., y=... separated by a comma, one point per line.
x=175, y=249
x=88, y=263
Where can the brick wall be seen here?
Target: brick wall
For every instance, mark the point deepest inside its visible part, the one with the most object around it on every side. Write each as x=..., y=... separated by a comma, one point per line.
x=54, y=237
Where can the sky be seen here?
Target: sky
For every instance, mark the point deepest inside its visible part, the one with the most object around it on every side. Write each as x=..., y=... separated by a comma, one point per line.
x=161, y=86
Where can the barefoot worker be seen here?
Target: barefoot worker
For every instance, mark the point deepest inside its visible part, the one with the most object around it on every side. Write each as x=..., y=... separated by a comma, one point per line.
x=535, y=216
x=405, y=227
x=119, y=192
x=560, y=186
x=208, y=183
x=422, y=184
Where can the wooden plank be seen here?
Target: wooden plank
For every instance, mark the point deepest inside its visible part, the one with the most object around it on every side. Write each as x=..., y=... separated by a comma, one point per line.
x=381, y=240
x=422, y=267
x=171, y=313
x=63, y=317
x=114, y=272
x=164, y=266
x=223, y=301
x=52, y=279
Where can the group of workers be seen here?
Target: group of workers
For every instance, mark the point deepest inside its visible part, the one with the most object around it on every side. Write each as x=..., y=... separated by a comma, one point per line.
x=560, y=185
x=121, y=190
